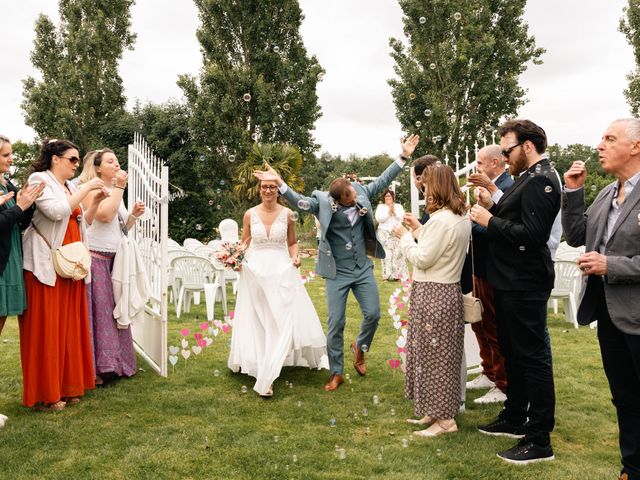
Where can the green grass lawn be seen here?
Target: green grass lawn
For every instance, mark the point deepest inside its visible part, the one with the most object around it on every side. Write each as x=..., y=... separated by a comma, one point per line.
x=194, y=424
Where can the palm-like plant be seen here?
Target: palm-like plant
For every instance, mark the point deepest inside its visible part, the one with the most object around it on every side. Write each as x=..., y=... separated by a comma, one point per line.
x=284, y=158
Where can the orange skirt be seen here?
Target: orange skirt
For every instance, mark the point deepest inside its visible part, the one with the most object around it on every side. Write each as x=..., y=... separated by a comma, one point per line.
x=55, y=345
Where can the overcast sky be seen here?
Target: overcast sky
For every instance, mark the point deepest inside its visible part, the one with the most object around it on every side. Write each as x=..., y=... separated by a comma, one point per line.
x=573, y=95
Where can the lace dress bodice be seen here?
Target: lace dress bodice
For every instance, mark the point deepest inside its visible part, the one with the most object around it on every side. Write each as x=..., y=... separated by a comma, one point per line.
x=275, y=238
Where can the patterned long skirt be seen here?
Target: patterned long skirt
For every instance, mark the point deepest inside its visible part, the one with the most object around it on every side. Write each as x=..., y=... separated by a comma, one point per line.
x=112, y=346
x=393, y=265
x=435, y=342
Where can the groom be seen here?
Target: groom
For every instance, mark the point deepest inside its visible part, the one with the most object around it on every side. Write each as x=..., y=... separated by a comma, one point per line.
x=347, y=236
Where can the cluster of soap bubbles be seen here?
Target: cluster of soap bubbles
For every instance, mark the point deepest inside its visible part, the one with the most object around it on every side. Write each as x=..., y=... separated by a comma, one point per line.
x=304, y=204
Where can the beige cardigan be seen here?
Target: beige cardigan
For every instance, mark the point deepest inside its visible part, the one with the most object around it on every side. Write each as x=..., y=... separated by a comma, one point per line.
x=442, y=245
x=51, y=217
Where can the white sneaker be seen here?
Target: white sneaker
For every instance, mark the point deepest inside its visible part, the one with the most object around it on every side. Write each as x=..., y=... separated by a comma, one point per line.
x=481, y=381
x=494, y=395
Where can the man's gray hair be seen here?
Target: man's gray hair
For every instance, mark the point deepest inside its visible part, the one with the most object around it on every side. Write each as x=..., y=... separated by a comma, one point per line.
x=633, y=128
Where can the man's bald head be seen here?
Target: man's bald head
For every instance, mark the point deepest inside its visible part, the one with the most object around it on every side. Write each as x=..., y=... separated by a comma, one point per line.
x=490, y=161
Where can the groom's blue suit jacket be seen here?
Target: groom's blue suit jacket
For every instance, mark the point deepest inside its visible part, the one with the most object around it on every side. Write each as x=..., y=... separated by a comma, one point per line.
x=322, y=206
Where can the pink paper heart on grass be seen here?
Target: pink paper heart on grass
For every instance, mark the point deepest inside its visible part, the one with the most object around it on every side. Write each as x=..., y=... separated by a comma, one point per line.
x=204, y=326
x=201, y=343
x=225, y=328
x=394, y=363
x=184, y=332
x=401, y=350
x=197, y=336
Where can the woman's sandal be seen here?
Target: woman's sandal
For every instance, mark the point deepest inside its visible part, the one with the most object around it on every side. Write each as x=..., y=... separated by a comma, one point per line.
x=426, y=420
x=50, y=407
x=436, y=429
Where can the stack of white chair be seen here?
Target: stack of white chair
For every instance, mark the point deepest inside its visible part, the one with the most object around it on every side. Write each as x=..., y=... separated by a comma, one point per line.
x=191, y=274
x=191, y=244
x=567, y=287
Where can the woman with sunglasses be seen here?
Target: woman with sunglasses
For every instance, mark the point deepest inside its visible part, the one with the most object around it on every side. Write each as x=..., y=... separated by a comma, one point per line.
x=55, y=345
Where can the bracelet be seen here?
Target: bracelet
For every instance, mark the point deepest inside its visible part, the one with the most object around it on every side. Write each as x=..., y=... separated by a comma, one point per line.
x=117, y=186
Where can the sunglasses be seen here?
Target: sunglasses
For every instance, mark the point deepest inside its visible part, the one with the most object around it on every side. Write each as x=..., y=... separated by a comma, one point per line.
x=507, y=152
x=74, y=160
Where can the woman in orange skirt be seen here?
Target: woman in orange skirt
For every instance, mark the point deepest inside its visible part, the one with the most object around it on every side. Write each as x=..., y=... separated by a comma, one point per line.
x=55, y=343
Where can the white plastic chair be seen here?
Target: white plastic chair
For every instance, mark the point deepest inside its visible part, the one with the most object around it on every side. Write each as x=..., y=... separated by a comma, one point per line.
x=567, y=287
x=191, y=244
x=174, y=288
x=173, y=244
x=205, y=251
x=215, y=243
x=228, y=230
x=191, y=273
x=567, y=253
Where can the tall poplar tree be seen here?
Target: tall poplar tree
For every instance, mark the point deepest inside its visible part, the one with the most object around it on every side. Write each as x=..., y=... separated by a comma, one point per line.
x=257, y=82
x=458, y=67
x=80, y=94
x=630, y=26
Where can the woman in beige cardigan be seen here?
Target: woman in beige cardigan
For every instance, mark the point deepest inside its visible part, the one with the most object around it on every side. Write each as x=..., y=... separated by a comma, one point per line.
x=435, y=339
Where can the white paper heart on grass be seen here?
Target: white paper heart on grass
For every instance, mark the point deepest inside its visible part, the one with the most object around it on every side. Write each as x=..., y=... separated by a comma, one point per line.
x=186, y=354
x=401, y=342
x=397, y=324
x=173, y=350
x=404, y=332
x=396, y=317
x=392, y=311
x=405, y=299
x=216, y=331
x=173, y=359
x=209, y=340
x=185, y=344
x=196, y=349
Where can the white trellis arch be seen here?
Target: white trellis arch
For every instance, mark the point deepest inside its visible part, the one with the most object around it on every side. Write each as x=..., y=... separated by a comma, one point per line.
x=149, y=182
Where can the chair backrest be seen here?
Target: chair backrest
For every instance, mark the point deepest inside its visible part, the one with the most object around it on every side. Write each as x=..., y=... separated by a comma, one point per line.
x=567, y=253
x=193, y=271
x=228, y=230
x=176, y=252
x=216, y=244
x=191, y=244
x=172, y=243
x=568, y=277
x=204, y=251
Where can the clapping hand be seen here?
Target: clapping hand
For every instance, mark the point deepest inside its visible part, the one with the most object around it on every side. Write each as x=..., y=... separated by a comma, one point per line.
x=6, y=197
x=576, y=175
x=268, y=174
x=409, y=144
x=29, y=194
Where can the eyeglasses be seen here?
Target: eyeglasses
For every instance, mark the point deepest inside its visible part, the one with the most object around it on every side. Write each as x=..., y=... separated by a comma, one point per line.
x=271, y=188
x=507, y=152
x=74, y=160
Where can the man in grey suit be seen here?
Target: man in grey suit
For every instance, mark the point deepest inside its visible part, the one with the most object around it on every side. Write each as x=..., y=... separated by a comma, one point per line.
x=611, y=267
x=347, y=236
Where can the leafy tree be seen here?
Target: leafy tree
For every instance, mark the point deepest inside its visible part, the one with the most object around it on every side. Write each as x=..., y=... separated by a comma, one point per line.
x=23, y=156
x=80, y=95
x=630, y=26
x=457, y=71
x=257, y=82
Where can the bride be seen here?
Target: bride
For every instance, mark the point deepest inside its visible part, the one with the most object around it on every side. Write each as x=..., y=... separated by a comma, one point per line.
x=275, y=324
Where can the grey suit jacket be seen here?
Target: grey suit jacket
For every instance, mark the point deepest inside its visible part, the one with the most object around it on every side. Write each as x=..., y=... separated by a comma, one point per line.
x=320, y=204
x=622, y=282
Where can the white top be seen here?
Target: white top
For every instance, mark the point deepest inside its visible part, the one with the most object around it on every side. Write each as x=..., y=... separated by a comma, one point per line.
x=385, y=220
x=105, y=236
x=442, y=246
x=51, y=217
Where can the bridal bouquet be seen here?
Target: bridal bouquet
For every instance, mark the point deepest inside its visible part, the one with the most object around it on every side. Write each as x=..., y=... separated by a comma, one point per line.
x=231, y=255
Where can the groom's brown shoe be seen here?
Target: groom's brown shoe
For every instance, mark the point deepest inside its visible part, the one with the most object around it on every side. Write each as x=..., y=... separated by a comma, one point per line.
x=334, y=382
x=358, y=360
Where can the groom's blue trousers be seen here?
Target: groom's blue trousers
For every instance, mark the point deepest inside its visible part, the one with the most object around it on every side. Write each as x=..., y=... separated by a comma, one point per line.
x=363, y=284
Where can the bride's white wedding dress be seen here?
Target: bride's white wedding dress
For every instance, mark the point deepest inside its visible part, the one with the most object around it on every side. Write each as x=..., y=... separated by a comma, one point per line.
x=275, y=324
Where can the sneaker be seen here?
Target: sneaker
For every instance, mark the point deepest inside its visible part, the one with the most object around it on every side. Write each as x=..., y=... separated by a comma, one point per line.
x=494, y=395
x=481, y=381
x=501, y=428
x=526, y=452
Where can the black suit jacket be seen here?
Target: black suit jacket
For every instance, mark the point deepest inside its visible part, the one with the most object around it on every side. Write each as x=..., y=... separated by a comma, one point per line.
x=8, y=218
x=519, y=259
x=479, y=234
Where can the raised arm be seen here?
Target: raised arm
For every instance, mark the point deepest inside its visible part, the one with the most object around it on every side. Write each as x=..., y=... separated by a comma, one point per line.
x=375, y=188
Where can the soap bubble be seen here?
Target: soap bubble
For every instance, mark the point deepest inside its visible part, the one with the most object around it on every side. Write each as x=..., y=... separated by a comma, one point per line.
x=246, y=97
x=342, y=453
x=216, y=373
x=521, y=248
x=276, y=438
x=422, y=20
x=276, y=49
x=332, y=422
x=298, y=403
x=548, y=189
x=457, y=16
x=405, y=443
x=295, y=458
x=211, y=202
x=412, y=96
x=438, y=138
x=376, y=400
x=198, y=226
x=348, y=246
x=286, y=107
x=432, y=66
x=393, y=412
x=295, y=216
x=304, y=205
x=593, y=188
x=232, y=158
x=244, y=389
x=427, y=113
x=365, y=412
x=418, y=124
